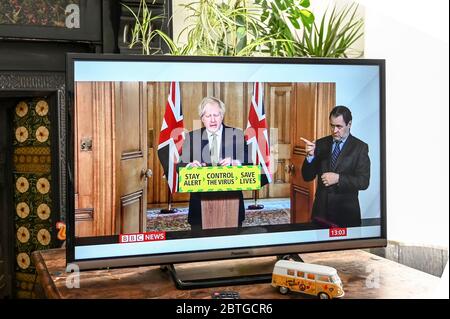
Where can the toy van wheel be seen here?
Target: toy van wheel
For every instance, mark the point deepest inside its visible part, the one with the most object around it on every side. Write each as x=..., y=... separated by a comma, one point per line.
x=323, y=295
x=283, y=290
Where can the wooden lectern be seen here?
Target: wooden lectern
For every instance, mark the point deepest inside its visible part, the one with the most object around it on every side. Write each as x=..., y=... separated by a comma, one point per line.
x=220, y=211
x=217, y=192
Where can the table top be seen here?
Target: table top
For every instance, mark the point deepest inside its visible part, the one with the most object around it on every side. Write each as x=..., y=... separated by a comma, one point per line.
x=363, y=274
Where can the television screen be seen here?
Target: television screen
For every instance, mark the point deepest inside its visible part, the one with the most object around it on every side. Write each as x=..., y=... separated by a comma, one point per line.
x=177, y=159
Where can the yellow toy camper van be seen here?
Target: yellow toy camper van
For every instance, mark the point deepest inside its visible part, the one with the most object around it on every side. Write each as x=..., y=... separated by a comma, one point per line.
x=318, y=280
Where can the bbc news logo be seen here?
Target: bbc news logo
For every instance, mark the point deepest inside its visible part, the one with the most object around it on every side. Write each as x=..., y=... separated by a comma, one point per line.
x=142, y=237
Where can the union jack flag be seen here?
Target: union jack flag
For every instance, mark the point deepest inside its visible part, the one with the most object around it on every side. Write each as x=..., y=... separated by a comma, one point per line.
x=171, y=137
x=256, y=133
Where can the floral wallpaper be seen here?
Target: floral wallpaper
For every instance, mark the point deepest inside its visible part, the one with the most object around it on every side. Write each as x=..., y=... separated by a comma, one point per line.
x=32, y=191
x=35, y=12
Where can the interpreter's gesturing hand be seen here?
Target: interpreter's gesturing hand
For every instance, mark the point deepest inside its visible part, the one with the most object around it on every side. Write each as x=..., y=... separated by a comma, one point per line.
x=309, y=147
x=330, y=178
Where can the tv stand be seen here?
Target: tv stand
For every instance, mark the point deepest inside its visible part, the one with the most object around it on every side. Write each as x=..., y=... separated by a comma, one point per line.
x=184, y=284
x=294, y=257
x=231, y=273
x=148, y=282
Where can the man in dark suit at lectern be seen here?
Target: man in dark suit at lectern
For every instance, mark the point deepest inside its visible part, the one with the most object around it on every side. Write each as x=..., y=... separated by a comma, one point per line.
x=341, y=163
x=215, y=144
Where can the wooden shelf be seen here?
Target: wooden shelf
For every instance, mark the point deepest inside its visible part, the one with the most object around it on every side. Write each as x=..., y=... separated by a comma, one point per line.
x=364, y=275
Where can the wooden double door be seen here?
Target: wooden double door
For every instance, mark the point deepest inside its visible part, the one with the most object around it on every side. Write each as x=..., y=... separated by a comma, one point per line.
x=110, y=158
x=117, y=132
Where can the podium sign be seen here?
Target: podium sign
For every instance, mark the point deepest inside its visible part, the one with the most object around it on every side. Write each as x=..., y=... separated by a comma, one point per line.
x=219, y=178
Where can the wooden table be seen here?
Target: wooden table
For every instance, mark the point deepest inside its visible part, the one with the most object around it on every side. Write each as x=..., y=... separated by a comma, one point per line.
x=364, y=275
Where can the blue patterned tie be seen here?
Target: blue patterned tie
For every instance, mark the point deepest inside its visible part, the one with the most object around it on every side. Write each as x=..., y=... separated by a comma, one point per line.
x=335, y=154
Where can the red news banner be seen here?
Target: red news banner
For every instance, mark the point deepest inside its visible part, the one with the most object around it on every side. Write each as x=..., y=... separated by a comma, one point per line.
x=338, y=232
x=142, y=237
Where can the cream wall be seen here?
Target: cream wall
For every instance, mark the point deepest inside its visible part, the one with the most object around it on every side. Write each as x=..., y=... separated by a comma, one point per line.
x=179, y=18
x=414, y=40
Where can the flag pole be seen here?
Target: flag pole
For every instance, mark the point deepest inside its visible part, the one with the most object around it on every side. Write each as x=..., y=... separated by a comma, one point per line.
x=169, y=209
x=257, y=122
x=171, y=134
x=255, y=206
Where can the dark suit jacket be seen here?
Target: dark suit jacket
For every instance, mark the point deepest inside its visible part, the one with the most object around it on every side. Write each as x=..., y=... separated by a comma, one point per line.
x=196, y=147
x=339, y=204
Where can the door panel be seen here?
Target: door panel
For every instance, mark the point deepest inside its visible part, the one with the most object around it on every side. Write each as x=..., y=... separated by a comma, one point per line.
x=94, y=165
x=236, y=96
x=279, y=104
x=84, y=160
x=131, y=207
x=131, y=151
x=314, y=102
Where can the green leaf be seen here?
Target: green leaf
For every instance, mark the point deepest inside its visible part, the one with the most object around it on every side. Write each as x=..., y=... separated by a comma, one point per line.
x=241, y=40
x=280, y=4
x=294, y=22
x=275, y=11
x=264, y=4
x=241, y=31
x=289, y=3
x=304, y=3
x=306, y=16
x=264, y=16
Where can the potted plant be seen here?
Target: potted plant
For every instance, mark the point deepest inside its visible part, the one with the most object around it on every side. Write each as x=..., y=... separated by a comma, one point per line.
x=334, y=35
x=267, y=27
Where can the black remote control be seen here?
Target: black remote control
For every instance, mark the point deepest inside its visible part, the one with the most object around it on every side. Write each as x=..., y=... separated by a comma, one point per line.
x=225, y=295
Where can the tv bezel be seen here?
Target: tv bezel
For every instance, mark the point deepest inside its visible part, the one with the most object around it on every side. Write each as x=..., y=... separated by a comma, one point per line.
x=227, y=253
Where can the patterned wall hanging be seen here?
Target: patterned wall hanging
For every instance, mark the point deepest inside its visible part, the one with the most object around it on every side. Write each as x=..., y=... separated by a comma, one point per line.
x=32, y=189
x=31, y=12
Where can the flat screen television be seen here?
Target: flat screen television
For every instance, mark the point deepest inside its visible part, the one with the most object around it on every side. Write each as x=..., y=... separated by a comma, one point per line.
x=143, y=137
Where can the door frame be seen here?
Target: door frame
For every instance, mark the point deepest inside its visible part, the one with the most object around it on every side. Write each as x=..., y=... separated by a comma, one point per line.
x=11, y=97
x=6, y=217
